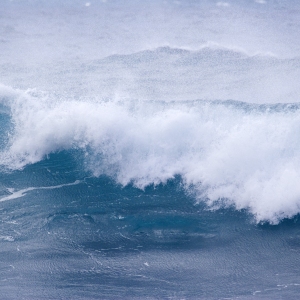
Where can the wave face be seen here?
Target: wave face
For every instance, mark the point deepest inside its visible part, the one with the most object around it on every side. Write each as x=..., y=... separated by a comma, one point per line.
x=228, y=153
x=144, y=145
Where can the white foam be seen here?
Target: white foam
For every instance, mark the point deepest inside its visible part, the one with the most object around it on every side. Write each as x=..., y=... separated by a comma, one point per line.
x=228, y=153
x=7, y=238
x=23, y=192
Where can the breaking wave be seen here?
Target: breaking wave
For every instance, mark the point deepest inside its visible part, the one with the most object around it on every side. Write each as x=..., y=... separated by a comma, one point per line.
x=228, y=153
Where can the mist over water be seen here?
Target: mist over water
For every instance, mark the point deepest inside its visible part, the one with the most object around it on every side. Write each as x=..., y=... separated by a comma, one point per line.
x=238, y=50
x=145, y=144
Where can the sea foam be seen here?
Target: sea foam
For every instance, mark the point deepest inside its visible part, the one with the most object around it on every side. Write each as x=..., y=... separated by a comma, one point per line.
x=228, y=153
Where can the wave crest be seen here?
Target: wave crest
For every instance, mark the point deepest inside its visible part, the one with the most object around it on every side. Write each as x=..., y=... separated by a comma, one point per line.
x=231, y=152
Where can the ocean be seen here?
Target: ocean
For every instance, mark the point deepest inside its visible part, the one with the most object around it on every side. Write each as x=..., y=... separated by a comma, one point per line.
x=149, y=149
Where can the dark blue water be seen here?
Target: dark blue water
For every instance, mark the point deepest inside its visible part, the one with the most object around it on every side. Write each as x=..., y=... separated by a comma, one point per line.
x=97, y=240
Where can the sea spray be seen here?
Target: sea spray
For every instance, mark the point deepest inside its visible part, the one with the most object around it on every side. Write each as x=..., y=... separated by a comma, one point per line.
x=240, y=154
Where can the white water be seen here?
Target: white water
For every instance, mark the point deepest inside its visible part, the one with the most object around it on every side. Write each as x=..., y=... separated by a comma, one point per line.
x=121, y=81
x=245, y=155
x=21, y=193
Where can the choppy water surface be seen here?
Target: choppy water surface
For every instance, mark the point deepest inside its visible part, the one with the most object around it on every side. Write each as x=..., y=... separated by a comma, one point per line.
x=149, y=149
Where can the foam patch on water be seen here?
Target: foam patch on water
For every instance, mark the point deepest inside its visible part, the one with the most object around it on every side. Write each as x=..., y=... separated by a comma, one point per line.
x=228, y=153
x=21, y=193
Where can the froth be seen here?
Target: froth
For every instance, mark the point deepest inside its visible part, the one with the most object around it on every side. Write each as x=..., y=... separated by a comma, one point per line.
x=229, y=153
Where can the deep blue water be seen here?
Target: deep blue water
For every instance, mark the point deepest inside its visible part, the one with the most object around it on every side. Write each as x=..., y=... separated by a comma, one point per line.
x=98, y=240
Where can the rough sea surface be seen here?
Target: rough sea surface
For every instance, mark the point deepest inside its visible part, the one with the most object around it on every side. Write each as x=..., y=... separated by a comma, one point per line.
x=149, y=149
